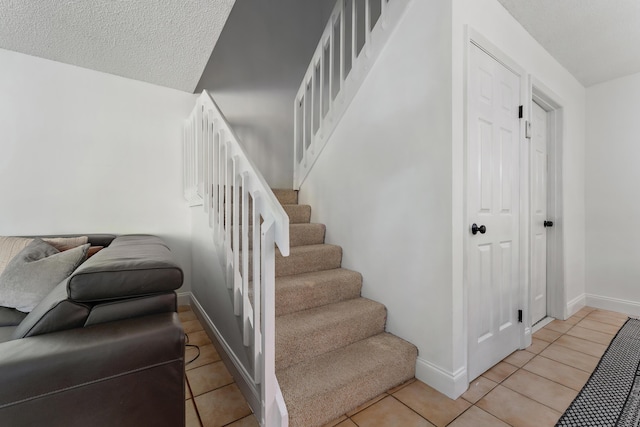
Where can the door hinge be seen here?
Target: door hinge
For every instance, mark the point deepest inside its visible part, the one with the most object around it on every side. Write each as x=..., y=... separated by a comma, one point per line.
x=520, y=112
x=519, y=316
x=527, y=129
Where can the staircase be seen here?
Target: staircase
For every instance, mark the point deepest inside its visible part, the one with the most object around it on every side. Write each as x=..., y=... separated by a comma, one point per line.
x=332, y=353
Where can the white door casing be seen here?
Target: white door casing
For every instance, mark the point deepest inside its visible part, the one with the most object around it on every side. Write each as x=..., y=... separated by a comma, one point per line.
x=493, y=201
x=539, y=173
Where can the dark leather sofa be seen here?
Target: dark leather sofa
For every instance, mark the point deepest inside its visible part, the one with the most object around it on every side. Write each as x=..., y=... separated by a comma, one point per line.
x=104, y=348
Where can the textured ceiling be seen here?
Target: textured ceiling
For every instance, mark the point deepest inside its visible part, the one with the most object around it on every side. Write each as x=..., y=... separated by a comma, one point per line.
x=165, y=42
x=596, y=40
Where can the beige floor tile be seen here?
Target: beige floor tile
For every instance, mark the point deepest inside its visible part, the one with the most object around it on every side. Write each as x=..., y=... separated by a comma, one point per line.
x=537, y=346
x=607, y=328
x=347, y=423
x=583, y=346
x=431, y=404
x=590, y=335
x=249, y=421
x=571, y=357
x=190, y=414
x=367, y=404
x=499, y=372
x=478, y=388
x=389, y=412
x=560, y=326
x=606, y=317
x=208, y=377
x=519, y=358
x=191, y=326
x=573, y=320
x=185, y=316
x=336, y=421
x=614, y=314
x=541, y=390
x=476, y=417
x=199, y=338
x=401, y=386
x=559, y=372
x=584, y=311
x=517, y=410
x=548, y=335
x=182, y=308
x=208, y=354
x=222, y=406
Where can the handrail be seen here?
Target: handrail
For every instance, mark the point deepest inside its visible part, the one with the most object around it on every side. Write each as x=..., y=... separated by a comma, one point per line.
x=350, y=44
x=247, y=222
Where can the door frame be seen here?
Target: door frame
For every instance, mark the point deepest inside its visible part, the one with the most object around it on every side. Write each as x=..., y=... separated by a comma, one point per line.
x=552, y=104
x=474, y=37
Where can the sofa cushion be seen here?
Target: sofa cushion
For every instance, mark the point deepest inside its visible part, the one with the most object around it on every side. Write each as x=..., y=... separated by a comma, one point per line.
x=54, y=313
x=127, y=268
x=10, y=316
x=6, y=333
x=110, y=311
x=65, y=243
x=10, y=247
x=35, y=271
x=137, y=239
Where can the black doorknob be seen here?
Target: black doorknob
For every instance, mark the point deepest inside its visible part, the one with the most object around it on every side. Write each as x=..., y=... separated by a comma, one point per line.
x=548, y=223
x=474, y=229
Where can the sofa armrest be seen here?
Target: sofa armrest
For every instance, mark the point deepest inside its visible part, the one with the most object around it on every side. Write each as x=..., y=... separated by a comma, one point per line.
x=129, y=372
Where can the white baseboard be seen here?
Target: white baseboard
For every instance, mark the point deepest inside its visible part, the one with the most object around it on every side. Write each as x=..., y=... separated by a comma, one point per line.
x=575, y=305
x=614, y=304
x=184, y=298
x=451, y=384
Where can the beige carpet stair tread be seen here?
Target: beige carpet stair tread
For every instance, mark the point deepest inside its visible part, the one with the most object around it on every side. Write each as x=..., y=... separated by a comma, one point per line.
x=308, y=333
x=309, y=258
x=321, y=389
x=304, y=291
x=298, y=214
x=286, y=197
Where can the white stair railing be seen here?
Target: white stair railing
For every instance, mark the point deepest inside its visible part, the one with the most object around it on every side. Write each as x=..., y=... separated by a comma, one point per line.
x=247, y=221
x=350, y=44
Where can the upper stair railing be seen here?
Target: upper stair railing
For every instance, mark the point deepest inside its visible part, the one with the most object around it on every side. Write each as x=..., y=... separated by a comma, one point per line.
x=352, y=40
x=246, y=220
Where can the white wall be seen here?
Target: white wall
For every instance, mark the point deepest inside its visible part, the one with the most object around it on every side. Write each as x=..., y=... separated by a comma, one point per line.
x=85, y=152
x=255, y=71
x=612, y=196
x=383, y=184
x=389, y=184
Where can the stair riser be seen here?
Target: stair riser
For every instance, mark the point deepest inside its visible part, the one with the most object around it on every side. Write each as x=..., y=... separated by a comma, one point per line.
x=296, y=344
x=299, y=235
x=286, y=197
x=308, y=294
x=298, y=214
x=373, y=367
x=325, y=257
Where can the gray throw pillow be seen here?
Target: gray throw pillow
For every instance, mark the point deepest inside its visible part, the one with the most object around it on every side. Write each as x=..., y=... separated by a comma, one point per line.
x=35, y=271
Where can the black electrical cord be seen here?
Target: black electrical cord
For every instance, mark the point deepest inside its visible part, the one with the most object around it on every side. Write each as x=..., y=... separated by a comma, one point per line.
x=186, y=337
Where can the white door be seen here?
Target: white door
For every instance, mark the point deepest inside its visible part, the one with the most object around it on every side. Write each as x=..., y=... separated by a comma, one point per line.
x=539, y=214
x=493, y=203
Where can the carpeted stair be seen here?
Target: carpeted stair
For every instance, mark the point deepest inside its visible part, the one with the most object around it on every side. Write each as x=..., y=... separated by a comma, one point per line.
x=332, y=353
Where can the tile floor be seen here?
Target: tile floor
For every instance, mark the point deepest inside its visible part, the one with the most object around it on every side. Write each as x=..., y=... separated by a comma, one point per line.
x=530, y=387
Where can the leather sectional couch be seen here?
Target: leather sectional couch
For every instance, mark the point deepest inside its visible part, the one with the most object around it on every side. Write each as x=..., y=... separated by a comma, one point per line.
x=104, y=348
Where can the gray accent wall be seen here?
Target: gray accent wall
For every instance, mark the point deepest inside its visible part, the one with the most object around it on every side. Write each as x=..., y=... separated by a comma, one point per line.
x=254, y=73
